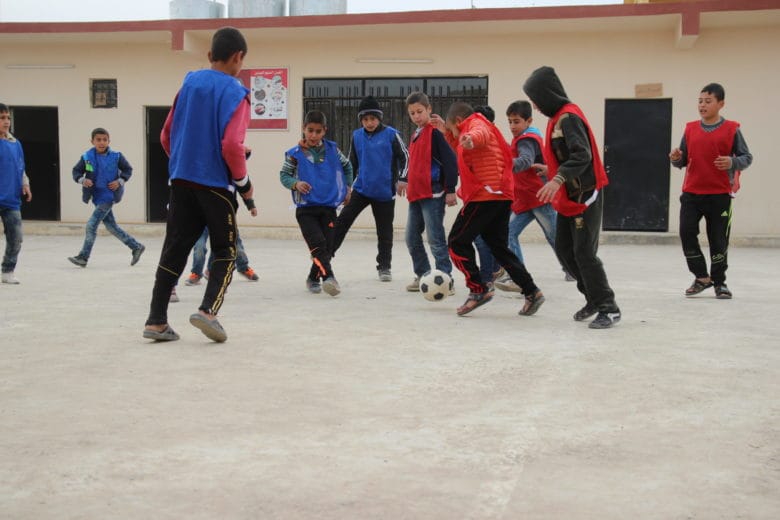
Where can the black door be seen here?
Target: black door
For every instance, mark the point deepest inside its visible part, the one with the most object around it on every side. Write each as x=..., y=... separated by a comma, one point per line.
x=156, y=166
x=637, y=140
x=38, y=130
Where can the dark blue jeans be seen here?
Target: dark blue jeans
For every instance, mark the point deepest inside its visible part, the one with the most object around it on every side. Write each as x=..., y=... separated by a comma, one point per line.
x=103, y=213
x=427, y=215
x=12, y=224
x=200, y=249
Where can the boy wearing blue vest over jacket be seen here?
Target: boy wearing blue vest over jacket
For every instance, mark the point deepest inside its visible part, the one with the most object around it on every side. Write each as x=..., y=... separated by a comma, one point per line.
x=13, y=184
x=204, y=138
x=379, y=158
x=319, y=176
x=102, y=173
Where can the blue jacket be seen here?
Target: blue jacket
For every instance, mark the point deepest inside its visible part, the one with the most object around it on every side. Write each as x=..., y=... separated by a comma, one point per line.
x=375, y=175
x=102, y=169
x=11, y=173
x=202, y=110
x=328, y=187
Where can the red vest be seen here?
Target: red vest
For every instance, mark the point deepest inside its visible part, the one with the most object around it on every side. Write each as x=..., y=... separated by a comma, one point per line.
x=527, y=182
x=561, y=201
x=419, y=169
x=494, y=182
x=701, y=175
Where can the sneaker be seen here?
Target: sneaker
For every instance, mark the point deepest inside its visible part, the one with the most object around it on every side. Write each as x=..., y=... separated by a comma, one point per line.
x=605, y=320
x=9, y=278
x=385, y=275
x=721, y=292
x=313, y=286
x=193, y=279
x=331, y=286
x=174, y=297
x=507, y=284
x=568, y=277
x=250, y=274
x=137, y=254
x=206, y=274
x=585, y=313
x=501, y=273
x=415, y=285
x=78, y=260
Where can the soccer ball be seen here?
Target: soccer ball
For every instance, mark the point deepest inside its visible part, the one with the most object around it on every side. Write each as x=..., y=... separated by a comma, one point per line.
x=435, y=285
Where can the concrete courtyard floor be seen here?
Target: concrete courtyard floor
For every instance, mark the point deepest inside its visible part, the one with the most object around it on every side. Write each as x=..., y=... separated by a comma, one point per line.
x=377, y=404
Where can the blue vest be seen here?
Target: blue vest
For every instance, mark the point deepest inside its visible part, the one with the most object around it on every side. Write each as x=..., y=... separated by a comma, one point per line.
x=11, y=174
x=375, y=163
x=326, y=178
x=203, y=108
x=101, y=169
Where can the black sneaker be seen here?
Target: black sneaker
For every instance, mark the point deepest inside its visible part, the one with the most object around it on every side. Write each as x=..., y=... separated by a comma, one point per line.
x=137, y=254
x=78, y=260
x=313, y=286
x=585, y=313
x=605, y=320
x=722, y=292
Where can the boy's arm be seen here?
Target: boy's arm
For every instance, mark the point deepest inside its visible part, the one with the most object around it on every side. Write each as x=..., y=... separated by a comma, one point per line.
x=741, y=157
x=125, y=170
x=480, y=134
x=577, y=142
x=353, y=159
x=165, y=133
x=79, y=171
x=346, y=165
x=400, y=157
x=525, y=155
x=679, y=156
x=289, y=172
x=448, y=162
x=233, y=150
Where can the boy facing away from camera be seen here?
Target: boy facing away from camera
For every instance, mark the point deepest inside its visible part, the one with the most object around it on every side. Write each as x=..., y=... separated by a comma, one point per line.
x=713, y=153
x=429, y=186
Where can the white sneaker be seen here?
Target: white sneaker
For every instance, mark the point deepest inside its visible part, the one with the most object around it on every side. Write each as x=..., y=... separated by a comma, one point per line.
x=9, y=278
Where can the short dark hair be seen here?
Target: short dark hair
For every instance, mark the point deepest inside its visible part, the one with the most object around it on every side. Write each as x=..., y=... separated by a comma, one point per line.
x=99, y=131
x=487, y=111
x=418, y=97
x=316, y=117
x=459, y=109
x=520, y=108
x=4, y=108
x=226, y=42
x=716, y=89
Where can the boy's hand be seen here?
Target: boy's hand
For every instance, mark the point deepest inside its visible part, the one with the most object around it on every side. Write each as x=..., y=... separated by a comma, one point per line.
x=347, y=196
x=723, y=162
x=541, y=169
x=438, y=122
x=113, y=185
x=249, y=193
x=547, y=192
x=302, y=187
x=451, y=199
x=253, y=212
x=87, y=183
x=466, y=142
x=675, y=155
x=401, y=188
x=27, y=193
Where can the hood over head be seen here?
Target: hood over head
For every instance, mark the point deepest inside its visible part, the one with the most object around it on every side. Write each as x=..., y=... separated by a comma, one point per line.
x=544, y=89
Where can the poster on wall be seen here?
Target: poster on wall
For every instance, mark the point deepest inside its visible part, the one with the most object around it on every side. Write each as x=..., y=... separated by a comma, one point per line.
x=268, y=97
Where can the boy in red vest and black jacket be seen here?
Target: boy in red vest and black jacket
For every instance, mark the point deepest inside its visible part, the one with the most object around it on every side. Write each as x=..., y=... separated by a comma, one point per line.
x=714, y=152
x=577, y=177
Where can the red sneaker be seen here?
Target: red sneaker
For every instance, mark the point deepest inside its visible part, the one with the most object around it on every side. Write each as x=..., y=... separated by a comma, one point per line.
x=250, y=274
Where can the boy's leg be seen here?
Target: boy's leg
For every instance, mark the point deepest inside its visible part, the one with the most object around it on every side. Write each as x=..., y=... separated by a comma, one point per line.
x=495, y=233
x=219, y=208
x=313, y=222
x=487, y=264
x=346, y=218
x=384, y=213
x=415, y=225
x=517, y=223
x=110, y=222
x=467, y=226
x=90, y=233
x=184, y=225
x=546, y=216
x=433, y=215
x=587, y=228
x=718, y=219
x=199, y=253
x=12, y=226
x=690, y=216
x=242, y=261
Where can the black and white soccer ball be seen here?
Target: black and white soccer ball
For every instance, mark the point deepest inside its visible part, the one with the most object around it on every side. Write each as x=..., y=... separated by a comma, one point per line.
x=435, y=285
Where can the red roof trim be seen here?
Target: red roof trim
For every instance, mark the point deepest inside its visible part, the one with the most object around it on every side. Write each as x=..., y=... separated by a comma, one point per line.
x=688, y=10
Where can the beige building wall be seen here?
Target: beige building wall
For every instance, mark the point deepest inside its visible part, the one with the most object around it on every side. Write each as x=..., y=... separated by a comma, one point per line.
x=596, y=59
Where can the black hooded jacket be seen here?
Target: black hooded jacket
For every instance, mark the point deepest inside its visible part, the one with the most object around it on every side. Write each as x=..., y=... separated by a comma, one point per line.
x=569, y=141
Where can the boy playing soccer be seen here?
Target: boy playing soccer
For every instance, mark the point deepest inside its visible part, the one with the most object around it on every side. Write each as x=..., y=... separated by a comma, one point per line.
x=429, y=185
x=13, y=184
x=378, y=158
x=204, y=137
x=319, y=176
x=102, y=173
x=714, y=152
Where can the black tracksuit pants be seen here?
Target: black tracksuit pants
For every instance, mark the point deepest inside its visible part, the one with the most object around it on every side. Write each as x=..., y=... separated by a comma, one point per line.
x=716, y=210
x=384, y=212
x=190, y=210
x=491, y=220
x=577, y=245
x=317, y=224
